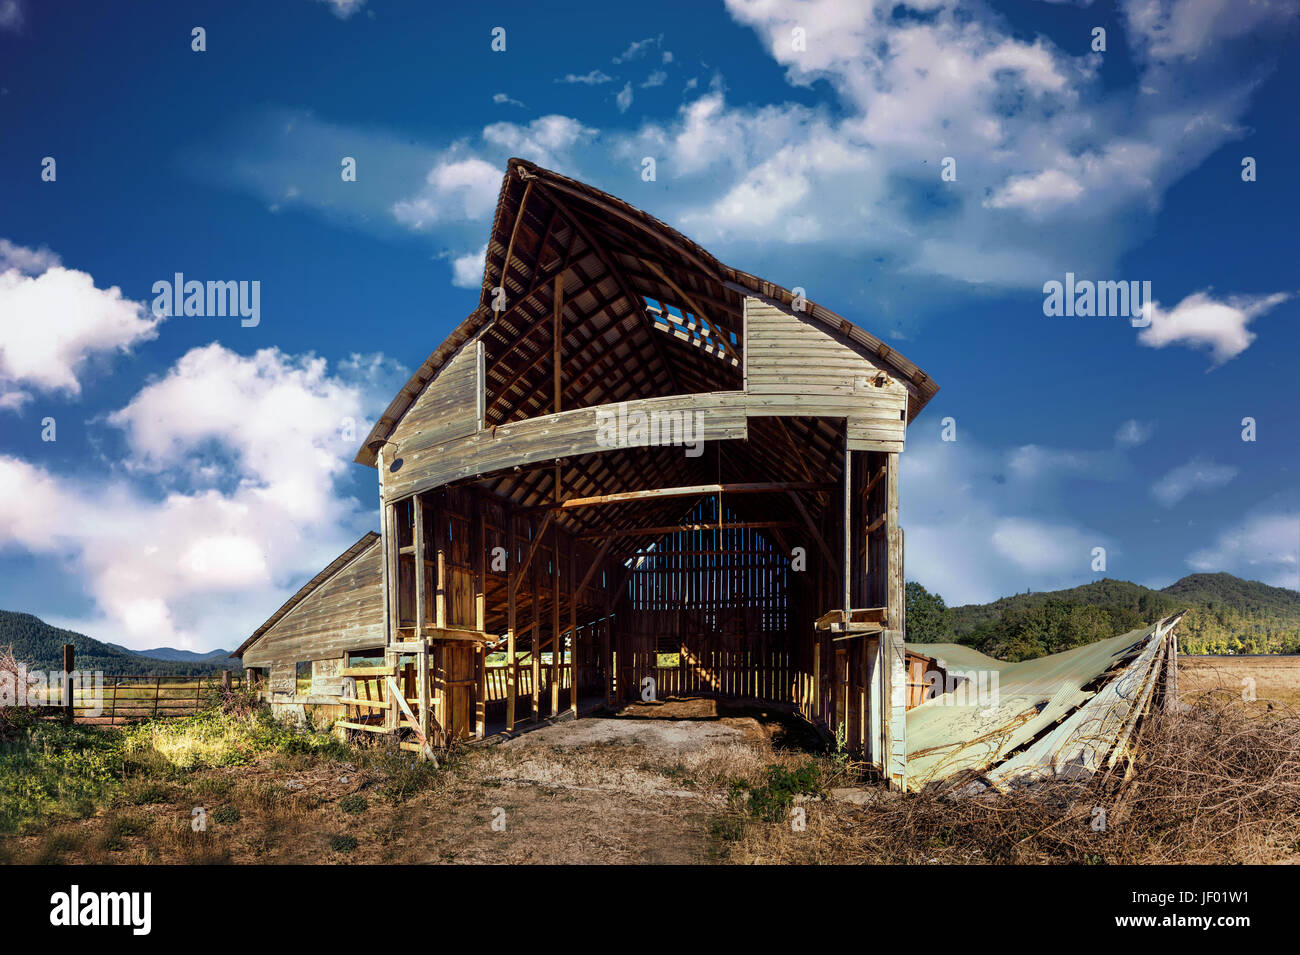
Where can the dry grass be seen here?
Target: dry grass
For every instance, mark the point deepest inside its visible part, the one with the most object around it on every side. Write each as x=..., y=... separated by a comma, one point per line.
x=1219, y=783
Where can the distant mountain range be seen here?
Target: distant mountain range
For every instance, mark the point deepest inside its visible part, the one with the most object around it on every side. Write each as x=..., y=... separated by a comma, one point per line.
x=1225, y=614
x=40, y=646
x=177, y=656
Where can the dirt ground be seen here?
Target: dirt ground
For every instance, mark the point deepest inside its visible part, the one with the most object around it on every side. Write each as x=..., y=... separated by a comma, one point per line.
x=647, y=787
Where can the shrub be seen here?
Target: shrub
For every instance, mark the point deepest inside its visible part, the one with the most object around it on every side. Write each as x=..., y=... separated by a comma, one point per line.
x=354, y=804
x=343, y=843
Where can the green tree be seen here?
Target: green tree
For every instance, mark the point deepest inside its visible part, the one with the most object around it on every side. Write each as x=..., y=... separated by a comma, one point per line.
x=928, y=618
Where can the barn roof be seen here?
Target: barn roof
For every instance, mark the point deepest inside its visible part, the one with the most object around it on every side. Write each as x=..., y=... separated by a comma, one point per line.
x=617, y=266
x=1072, y=712
x=339, y=562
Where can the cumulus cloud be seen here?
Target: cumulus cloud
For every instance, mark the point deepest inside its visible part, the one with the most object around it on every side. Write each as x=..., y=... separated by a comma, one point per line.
x=1198, y=321
x=1055, y=170
x=467, y=270
x=975, y=534
x=455, y=190
x=1198, y=474
x=227, y=499
x=57, y=322
x=1264, y=546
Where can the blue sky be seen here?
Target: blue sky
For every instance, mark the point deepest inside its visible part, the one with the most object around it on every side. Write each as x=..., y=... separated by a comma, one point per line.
x=202, y=469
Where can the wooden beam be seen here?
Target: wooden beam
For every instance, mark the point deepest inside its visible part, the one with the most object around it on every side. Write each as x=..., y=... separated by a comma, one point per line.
x=532, y=549
x=395, y=695
x=825, y=548
x=690, y=490
x=674, y=528
x=636, y=302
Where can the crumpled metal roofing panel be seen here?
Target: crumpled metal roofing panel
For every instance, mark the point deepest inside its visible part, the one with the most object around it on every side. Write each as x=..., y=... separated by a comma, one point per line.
x=1060, y=714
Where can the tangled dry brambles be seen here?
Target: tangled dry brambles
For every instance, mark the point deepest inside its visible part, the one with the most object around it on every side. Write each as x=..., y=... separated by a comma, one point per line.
x=1216, y=783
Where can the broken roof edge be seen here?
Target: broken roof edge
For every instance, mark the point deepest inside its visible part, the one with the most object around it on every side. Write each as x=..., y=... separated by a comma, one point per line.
x=1019, y=749
x=920, y=385
x=368, y=539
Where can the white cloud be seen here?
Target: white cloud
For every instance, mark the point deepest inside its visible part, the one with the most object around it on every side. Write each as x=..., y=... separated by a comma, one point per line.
x=1198, y=474
x=1200, y=321
x=1033, y=462
x=25, y=260
x=1265, y=547
x=1045, y=191
x=455, y=190
x=505, y=99
x=1183, y=29
x=259, y=444
x=343, y=9
x=467, y=270
x=1056, y=170
x=1043, y=547
x=547, y=139
x=11, y=15
x=973, y=535
x=57, y=321
x=1133, y=433
x=639, y=48
x=594, y=78
x=657, y=78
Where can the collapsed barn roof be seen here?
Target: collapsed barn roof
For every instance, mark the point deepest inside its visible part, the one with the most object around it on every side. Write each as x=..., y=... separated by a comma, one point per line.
x=1070, y=713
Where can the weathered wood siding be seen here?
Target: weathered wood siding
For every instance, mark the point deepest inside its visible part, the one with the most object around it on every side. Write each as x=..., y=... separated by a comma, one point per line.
x=449, y=405
x=795, y=366
x=426, y=461
x=344, y=613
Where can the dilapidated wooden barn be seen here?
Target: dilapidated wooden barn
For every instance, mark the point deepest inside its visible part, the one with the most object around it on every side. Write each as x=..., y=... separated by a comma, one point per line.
x=632, y=471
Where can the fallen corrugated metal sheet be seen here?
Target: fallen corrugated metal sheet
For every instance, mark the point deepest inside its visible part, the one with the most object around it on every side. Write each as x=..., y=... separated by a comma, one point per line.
x=1069, y=713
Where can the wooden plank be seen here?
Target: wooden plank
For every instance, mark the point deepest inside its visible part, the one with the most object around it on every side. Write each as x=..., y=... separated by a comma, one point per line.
x=365, y=727
x=694, y=490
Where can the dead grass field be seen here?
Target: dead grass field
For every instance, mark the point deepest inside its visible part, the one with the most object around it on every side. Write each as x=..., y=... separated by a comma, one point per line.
x=1276, y=678
x=682, y=782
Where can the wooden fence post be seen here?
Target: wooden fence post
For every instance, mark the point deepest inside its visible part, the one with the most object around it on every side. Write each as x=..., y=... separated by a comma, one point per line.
x=69, y=660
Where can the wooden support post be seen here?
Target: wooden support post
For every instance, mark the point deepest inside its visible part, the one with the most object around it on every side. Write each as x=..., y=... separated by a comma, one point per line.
x=573, y=629
x=847, y=568
x=512, y=664
x=894, y=754
x=557, y=335
x=440, y=579
x=421, y=616
x=422, y=687
x=70, y=664
x=480, y=618
x=421, y=597
x=557, y=640
x=536, y=643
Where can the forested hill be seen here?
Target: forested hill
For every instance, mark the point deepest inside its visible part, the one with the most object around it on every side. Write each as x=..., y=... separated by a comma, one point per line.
x=1225, y=614
x=40, y=646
